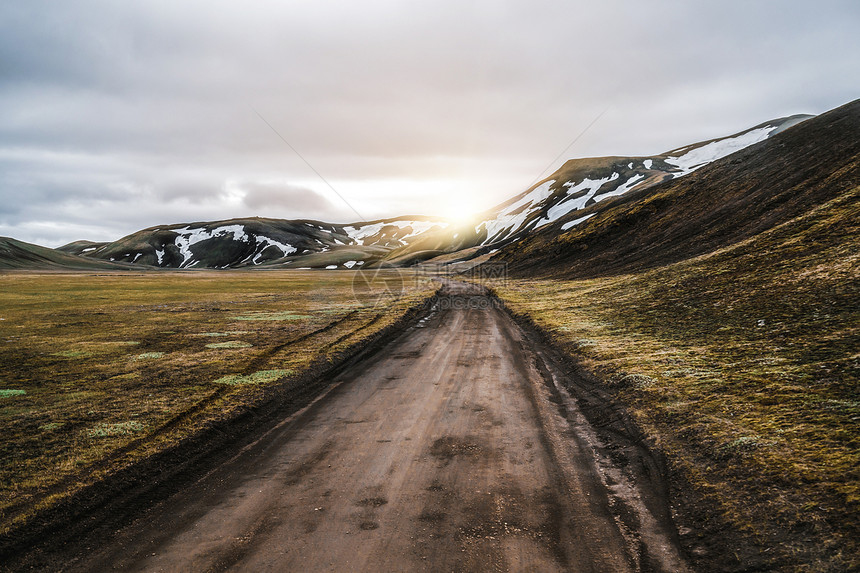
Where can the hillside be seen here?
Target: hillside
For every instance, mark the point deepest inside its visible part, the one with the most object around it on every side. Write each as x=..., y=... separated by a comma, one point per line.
x=16, y=254
x=721, y=309
x=742, y=367
x=724, y=202
x=579, y=186
x=581, y=183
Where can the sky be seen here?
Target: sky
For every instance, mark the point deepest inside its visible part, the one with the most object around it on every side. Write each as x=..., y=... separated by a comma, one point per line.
x=117, y=116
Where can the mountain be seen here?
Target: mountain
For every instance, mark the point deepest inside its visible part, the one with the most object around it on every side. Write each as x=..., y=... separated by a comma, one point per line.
x=237, y=243
x=576, y=186
x=580, y=183
x=16, y=254
x=726, y=201
x=80, y=247
x=577, y=191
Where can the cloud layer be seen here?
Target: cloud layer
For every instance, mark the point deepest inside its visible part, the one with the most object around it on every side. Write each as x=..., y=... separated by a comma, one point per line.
x=119, y=116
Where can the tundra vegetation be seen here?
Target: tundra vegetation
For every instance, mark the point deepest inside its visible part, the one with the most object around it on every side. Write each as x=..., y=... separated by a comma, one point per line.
x=100, y=370
x=742, y=366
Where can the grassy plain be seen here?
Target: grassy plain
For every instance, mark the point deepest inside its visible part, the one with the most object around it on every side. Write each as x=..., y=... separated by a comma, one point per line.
x=119, y=365
x=743, y=366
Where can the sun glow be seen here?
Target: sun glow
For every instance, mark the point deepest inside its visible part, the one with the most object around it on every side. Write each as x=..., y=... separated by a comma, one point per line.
x=458, y=206
x=459, y=212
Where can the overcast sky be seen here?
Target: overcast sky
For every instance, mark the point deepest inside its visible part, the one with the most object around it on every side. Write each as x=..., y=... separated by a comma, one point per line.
x=115, y=116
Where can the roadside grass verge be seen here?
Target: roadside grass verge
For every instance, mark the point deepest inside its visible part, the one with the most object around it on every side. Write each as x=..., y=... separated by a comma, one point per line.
x=742, y=366
x=98, y=371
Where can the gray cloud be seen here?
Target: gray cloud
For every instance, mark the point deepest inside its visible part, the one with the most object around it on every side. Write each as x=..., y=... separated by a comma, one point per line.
x=119, y=116
x=285, y=197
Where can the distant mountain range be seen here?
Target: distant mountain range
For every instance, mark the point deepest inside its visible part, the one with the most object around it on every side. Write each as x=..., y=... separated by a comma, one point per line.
x=579, y=190
x=252, y=242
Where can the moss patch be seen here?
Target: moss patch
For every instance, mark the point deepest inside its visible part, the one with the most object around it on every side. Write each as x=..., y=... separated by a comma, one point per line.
x=283, y=315
x=260, y=377
x=149, y=356
x=6, y=393
x=72, y=354
x=114, y=429
x=229, y=344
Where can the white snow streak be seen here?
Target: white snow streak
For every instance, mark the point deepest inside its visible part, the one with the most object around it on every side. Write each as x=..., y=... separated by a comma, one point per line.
x=358, y=234
x=506, y=220
x=621, y=189
x=576, y=222
x=561, y=209
x=700, y=156
x=264, y=243
x=188, y=236
x=567, y=205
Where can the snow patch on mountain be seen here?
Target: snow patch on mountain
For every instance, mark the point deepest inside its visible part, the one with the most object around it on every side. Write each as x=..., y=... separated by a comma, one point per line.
x=621, y=189
x=564, y=207
x=541, y=206
x=576, y=222
x=188, y=236
x=359, y=233
x=515, y=214
x=264, y=243
x=701, y=156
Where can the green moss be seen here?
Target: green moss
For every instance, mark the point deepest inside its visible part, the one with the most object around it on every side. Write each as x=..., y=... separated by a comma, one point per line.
x=6, y=393
x=260, y=377
x=149, y=356
x=72, y=354
x=229, y=344
x=114, y=429
x=282, y=315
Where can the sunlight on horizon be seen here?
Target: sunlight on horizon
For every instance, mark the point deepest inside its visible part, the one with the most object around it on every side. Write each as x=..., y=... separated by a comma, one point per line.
x=459, y=201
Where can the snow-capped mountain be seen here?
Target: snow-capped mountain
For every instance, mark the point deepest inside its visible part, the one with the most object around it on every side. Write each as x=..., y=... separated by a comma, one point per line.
x=578, y=185
x=581, y=183
x=256, y=241
x=783, y=183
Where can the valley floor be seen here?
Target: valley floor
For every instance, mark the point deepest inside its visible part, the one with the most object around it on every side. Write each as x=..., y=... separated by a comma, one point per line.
x=100, y=372
x=456, y=447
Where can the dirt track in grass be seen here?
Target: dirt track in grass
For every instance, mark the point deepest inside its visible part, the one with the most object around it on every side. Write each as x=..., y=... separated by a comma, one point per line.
x=454, y=448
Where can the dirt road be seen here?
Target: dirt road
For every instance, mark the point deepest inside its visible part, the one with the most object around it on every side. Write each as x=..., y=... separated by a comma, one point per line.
x=453, y=449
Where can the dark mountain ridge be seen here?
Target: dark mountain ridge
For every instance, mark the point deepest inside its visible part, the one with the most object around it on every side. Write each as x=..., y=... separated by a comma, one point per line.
x=16, y=254
x=728, y=200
